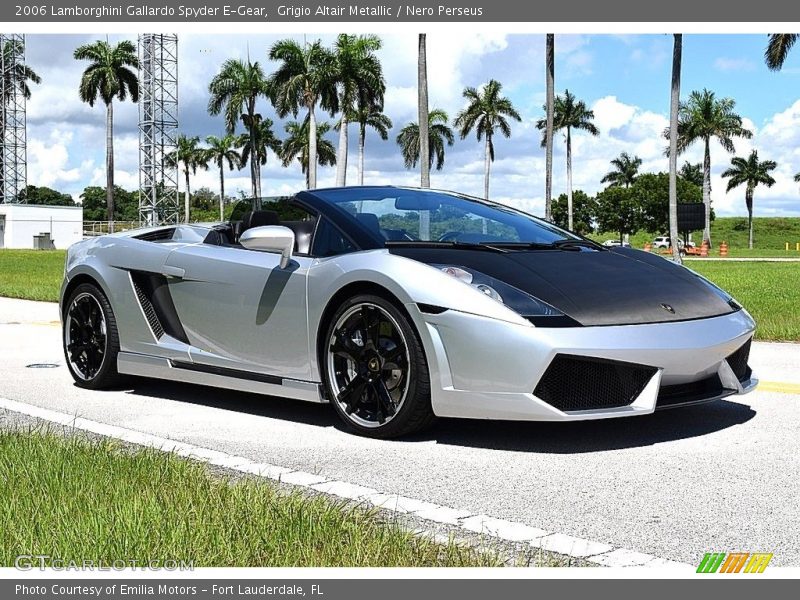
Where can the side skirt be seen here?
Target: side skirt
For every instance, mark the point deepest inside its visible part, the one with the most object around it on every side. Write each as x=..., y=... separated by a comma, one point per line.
x=142, y=365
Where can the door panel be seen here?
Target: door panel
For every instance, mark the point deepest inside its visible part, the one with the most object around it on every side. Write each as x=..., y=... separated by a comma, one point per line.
x=240, y=310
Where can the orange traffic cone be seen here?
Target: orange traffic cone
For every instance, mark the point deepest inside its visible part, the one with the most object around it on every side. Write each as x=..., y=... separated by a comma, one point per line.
x=723, y=249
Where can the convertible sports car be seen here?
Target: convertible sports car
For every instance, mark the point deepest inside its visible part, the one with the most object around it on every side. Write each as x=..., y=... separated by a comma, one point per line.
x=397, y=305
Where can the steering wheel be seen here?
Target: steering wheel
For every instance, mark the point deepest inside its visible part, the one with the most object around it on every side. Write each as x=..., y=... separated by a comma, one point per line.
x=450, y=236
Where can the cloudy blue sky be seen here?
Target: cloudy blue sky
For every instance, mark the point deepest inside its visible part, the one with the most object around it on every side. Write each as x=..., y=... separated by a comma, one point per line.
x=625, y=79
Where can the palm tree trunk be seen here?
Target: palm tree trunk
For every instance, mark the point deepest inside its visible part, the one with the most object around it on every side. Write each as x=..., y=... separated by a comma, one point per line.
x=186, y=195
x=569, y=179
x=707, y=190
x=675, y=94
x=424, y=134
x=312, y=148
x=221, y=192
x=362, y=137
x=110, y=165
x=422, y=108
x=748, y=199
x=550, y=70
x=487, y=167
x=341, y=155
x=255, y=171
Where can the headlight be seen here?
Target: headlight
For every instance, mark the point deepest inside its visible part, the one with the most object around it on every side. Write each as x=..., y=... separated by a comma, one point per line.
x=515, y=299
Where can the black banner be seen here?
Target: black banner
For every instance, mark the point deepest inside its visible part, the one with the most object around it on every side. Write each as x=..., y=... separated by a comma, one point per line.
x=391, y=589
x=261, y=11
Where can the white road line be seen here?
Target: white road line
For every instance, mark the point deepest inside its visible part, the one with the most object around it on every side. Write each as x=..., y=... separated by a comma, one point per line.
x=596, y=553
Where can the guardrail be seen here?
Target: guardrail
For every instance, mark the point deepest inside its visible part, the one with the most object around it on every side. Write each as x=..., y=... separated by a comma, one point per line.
x=95, y=228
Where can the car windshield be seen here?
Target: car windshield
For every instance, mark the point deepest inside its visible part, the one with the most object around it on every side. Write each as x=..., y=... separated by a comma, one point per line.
x=416, y=216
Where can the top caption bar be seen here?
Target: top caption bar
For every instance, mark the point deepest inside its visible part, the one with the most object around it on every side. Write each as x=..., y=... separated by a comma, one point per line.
x=255, y=11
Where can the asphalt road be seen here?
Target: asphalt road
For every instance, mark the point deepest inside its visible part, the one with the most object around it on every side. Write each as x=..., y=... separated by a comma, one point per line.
x=719, y=477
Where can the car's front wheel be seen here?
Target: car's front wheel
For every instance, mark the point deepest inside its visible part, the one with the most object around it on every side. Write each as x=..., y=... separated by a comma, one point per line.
x=375, y=370
x=91, y=341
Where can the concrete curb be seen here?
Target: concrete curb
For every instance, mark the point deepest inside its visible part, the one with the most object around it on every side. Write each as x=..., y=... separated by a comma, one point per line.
x=596, y=553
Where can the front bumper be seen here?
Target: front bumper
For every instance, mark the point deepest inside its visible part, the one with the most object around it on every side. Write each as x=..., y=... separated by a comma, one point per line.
x=484, y=368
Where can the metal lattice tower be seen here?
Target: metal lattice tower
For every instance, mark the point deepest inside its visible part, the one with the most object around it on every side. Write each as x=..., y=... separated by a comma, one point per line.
x=158, y=128
x=14, y=167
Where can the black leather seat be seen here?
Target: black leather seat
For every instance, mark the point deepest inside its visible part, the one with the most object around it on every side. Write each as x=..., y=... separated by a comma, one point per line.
x=256, y=218
x=303, y=231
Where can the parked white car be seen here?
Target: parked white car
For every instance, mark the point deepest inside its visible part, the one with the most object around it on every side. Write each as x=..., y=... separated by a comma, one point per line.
x=616, y=244
x=662, y=241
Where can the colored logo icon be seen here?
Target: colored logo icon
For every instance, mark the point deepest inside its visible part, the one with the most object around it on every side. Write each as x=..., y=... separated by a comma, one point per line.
x=734, y=562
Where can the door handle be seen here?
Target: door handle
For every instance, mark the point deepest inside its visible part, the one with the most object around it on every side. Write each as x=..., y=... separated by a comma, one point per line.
x=170, y=271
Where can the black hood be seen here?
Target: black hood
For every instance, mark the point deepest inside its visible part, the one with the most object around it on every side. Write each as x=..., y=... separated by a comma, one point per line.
x=604, y=287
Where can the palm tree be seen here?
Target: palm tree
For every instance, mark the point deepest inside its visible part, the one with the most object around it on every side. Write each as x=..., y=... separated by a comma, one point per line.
x=222, y=150
x=110, y=74
x=624, y=172
x=778, y=49
x=424, y=120
x=306, y=77
x=692, y=172
x=297, y=144
x=569, y=114
x=192, y=157
x=549, y=64
x=487, y=112
x=15, y=78
x=751, y=172
x=674, y=109
x=19, y=74
x=361, y=84
x=256, y=142
x=702, y=118
x=369, y=116
x=234, y=92
x=797, y=177
x=439, y=134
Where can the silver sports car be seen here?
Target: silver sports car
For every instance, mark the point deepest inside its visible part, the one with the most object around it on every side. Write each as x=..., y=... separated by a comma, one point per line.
x=397, y=305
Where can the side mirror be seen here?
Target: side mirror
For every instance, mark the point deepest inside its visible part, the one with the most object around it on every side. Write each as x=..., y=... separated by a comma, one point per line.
x=270, y=238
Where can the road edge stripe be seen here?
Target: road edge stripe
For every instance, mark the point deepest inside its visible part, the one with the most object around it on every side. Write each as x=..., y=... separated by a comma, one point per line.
x=596, y=553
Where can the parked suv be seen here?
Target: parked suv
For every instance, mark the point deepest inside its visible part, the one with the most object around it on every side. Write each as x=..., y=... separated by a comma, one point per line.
x=662, y=241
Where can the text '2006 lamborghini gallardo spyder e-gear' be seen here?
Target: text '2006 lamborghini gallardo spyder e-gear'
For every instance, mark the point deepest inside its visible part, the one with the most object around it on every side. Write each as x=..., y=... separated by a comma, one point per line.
x=397, y=305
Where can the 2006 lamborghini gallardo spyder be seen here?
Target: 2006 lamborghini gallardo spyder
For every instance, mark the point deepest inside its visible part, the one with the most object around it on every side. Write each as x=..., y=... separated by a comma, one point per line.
x=397, y=305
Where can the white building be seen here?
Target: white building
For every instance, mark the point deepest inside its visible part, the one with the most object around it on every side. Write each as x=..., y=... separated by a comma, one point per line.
x=21, y=223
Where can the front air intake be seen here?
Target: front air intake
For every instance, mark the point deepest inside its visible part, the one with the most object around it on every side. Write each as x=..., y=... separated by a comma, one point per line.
x=738, y=362
x=574, y=383
x=690, y=393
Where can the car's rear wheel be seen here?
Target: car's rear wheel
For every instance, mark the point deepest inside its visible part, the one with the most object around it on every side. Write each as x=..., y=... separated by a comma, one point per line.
x=91, y=341
x=375, y=370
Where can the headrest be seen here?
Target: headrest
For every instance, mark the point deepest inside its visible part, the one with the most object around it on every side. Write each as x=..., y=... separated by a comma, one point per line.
x=370, y=221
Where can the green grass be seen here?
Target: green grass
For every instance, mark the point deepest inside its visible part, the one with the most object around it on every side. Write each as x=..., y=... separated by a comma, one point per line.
x=770, y=236
x=769, y=291
x=73, y=499
x=31, y=274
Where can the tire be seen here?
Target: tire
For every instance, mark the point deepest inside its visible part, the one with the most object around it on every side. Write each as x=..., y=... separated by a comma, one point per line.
x=374, y=369
x=90, y=338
